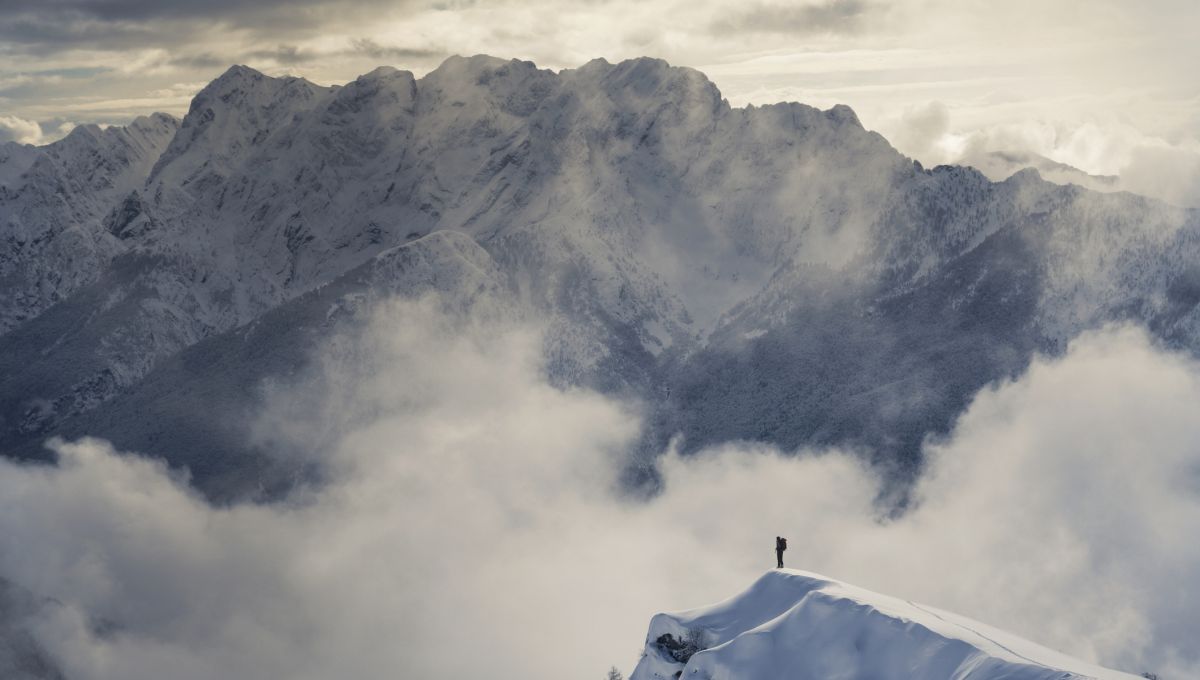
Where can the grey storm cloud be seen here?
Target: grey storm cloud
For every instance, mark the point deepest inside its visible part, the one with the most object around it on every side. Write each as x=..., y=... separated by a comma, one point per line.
x=828, y=16
x=44, y=27
x=294, y=54
x=202, y=60
x=47, y=32
x=370, y=48
x=135, y=11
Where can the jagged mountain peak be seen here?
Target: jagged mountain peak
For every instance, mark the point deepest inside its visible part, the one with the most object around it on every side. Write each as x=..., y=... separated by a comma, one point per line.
x=650, y=82
x=458, y=74
x=844, y=114
x=237, y=74
x=53, y=204
x=154, y=121
x=479, y=84
x=383, y=94
x=1025, y=176
x=144, y=134
x=85, y=131
x=107, y=158
x=649, y=74
x=241, y=87
x=635, y=68
x=477, y=65
x=384, y=73
x=686, y=250
x=240, y=109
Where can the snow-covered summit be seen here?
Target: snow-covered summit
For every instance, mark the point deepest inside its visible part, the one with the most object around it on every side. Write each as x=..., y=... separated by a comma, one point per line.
x=796, y=624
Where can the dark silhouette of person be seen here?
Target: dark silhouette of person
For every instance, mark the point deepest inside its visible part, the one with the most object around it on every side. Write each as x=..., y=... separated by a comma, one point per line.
x=780, y=546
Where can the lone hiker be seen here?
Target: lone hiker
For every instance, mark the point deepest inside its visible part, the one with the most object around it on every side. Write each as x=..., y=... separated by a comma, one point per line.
x=780, y=546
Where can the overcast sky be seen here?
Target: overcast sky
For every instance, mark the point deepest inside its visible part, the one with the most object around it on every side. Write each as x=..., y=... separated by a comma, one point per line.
x=1104, y=85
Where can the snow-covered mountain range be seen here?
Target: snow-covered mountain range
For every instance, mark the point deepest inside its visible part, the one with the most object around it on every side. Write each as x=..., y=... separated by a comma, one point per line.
x=795, y=624
x=772, y=273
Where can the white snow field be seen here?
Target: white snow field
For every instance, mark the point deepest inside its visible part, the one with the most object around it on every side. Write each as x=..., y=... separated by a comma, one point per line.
x=803, y=626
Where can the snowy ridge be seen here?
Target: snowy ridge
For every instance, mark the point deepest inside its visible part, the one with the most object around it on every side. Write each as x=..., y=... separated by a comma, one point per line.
x=53, y=204
x=795, y=624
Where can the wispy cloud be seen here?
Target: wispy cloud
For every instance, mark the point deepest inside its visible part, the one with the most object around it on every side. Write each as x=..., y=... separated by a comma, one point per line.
x=800, y=19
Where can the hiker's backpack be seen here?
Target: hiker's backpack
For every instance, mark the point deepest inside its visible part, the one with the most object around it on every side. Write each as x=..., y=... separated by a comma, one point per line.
x=783, y=544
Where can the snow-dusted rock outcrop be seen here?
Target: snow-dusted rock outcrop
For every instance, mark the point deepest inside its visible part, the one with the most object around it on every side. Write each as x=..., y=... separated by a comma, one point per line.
x=795, y=624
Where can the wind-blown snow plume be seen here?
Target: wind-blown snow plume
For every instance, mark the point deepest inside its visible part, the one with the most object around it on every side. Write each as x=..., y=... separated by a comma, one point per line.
x=469, y=525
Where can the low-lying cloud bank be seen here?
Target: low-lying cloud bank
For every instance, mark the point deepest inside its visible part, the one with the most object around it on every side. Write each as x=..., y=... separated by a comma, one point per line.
x=471, y=526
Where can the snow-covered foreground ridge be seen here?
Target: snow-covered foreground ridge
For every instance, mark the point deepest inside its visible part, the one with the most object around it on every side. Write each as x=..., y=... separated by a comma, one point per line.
x=796, y=624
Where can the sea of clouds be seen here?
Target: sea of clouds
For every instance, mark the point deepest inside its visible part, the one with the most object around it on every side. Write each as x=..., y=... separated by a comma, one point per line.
x=470, y=523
